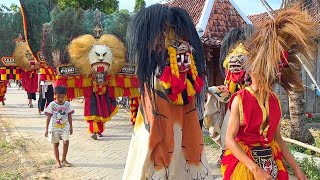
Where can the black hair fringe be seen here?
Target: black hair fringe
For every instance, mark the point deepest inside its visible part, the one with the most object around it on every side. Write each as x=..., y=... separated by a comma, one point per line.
x=146, y=29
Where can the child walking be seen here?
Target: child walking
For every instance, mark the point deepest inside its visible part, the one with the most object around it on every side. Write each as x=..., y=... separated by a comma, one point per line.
x=59, y=124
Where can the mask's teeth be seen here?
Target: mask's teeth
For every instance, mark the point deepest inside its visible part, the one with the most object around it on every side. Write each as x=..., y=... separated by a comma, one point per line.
x=182, y=57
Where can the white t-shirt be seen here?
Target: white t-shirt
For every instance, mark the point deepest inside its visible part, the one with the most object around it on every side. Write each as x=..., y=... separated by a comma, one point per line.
x=59, y=116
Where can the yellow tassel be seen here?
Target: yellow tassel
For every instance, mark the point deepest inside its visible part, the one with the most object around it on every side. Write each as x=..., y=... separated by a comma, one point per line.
x=190, y=90
x=179, y=100
x=112, y=81
x=118, y=92
x=232, y=87
x=95, y=127
x=165, y=85
x=71, y=82
x=87, y=82
x=127, y=82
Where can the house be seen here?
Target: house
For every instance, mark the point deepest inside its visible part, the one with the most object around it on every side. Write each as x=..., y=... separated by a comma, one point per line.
x=213, y=19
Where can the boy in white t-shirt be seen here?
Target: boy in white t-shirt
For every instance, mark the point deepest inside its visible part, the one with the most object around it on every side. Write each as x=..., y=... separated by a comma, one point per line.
x=59, y=124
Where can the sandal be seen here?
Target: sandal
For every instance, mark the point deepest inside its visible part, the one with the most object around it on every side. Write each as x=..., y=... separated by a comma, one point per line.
x=94, y=136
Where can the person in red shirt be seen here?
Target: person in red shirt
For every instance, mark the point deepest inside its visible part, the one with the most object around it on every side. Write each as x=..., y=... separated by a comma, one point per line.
x=255, y=148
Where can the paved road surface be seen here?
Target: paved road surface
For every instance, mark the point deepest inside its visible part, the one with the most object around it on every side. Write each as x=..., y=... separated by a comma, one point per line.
x=102, y=159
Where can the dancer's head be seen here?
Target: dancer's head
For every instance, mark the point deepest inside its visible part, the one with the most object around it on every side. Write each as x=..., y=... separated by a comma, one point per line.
x=60, y=92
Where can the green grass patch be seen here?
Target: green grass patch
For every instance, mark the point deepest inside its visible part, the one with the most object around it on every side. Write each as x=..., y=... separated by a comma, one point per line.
x=209, y=142
x=5, y=146
x=50, y=162
x=10, y=146
x=10, y=176
x=310, y=169
x=313, y=120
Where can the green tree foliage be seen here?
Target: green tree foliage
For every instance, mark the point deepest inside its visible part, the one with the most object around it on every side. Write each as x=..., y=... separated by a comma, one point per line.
x=37, y=13
x=10, y=28
x=117, y=23
x=64, y=26
x=139, y=5
x=105, y=6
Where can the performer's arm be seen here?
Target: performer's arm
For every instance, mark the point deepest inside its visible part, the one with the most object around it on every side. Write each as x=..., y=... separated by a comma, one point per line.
x=70, y=122
x=288, y=156
x=232, y=144
x=47, y=124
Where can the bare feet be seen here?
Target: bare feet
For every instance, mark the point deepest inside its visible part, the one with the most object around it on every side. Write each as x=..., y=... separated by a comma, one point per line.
x=66, y=163
x=58, y=165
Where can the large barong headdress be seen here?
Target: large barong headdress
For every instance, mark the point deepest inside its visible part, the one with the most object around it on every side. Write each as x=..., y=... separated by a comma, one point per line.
x=105, y=55
x=276, y=47
x=151, y=35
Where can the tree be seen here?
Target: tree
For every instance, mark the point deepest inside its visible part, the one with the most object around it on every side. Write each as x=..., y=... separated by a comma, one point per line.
x=11, y=27
x=117, y=23
x=64, y=26
x=105, y=6
x=299, y=131
x=139, y=5
x=37, y=12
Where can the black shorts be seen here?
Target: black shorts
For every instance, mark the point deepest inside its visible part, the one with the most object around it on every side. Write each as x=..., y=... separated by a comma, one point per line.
x=32, y=96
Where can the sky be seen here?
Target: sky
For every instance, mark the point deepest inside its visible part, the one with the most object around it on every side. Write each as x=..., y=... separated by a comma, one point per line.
x=247, y=6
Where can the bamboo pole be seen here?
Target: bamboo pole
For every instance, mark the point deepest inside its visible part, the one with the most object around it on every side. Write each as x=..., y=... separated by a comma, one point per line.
x=304, y=145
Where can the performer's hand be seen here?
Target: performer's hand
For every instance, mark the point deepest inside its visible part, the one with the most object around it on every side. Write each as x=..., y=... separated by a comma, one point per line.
x=299, y=174
x=260, y=174
x=71, y=130
x=223, y=88
x=46, y=133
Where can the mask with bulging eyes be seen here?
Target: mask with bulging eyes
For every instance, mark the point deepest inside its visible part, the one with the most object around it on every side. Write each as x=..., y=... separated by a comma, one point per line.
x=236, y=62
x=184, y=51
x=100, y=57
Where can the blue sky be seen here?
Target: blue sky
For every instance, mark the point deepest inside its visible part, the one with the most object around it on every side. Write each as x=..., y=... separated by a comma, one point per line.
x=247, y=6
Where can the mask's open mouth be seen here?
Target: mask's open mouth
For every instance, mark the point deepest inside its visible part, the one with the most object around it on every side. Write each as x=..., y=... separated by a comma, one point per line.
x=100, y=67
x=235, y=67
x=184, y=62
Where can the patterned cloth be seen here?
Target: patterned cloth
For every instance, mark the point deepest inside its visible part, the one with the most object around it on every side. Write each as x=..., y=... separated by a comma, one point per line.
x=200, y=99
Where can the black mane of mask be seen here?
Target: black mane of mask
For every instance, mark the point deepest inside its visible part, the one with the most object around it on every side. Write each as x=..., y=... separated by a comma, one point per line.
x=144, y=29
x=233, y=37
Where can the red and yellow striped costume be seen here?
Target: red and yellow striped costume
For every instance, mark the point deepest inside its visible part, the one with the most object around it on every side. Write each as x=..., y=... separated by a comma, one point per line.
x=3, y=90
x=258, y=124
x=100, y=104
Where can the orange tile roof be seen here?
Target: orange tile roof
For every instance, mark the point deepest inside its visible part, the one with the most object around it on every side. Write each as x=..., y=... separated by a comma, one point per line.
x=259, y=19
x=194, y=8
x=223, y=17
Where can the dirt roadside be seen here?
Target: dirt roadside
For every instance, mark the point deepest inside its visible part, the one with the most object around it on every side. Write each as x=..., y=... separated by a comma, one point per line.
x=22, y=158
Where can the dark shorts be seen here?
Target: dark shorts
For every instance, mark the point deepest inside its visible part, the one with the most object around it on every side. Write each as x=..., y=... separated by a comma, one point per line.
x=32, y=96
